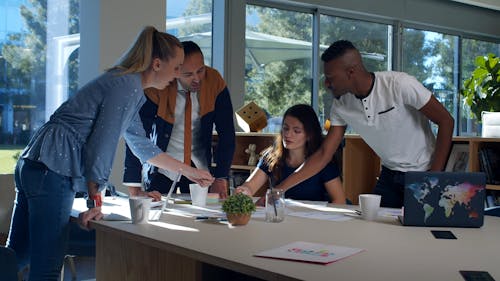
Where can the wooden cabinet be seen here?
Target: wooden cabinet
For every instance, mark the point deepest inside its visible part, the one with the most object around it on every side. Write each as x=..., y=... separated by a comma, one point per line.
x=361, y=166
x=240, y=158
x=475, y=144
x=239, y=168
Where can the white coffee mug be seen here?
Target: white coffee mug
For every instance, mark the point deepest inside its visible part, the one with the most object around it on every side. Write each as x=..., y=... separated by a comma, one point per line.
x=139, y=209
x=369, y=204
x=198, y=195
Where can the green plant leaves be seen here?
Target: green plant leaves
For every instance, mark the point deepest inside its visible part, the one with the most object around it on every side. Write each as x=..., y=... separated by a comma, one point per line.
x=238, y=204
x=481, y=90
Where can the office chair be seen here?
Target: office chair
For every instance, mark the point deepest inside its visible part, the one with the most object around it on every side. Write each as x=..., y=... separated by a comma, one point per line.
x=82, y=242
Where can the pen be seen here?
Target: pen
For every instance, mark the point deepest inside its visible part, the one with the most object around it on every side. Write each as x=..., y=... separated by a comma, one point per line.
x=272, y=195
x=205, y=218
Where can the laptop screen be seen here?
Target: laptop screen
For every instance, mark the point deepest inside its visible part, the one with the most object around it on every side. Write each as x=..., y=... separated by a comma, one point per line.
x=444, y=199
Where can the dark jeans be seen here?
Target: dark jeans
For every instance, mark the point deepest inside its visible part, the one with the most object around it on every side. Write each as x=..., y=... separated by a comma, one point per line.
x=40, y=222
x=390, y=185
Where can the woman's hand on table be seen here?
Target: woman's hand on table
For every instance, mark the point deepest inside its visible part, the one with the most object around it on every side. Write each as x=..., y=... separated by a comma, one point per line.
x=136, y=191
x=90, y=214
x=244, y=189
x=153, y=194
x=219, y=186
x=261, y=202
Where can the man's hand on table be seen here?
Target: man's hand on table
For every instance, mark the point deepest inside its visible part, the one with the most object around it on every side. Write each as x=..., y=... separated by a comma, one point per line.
x=219, y=186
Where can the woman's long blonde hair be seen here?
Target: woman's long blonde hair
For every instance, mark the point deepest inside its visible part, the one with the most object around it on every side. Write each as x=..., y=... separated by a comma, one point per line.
x=150, y=44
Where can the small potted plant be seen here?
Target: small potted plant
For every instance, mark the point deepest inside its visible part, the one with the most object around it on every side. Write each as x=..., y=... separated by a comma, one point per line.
x=481, y=91
x=238, y=208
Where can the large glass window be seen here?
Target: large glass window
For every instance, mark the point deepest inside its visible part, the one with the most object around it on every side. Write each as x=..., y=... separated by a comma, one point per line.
x=37, y=44
x=191, y=20
x=433, y=59
x=278, y=59
x=373, y=40
x=471, y=48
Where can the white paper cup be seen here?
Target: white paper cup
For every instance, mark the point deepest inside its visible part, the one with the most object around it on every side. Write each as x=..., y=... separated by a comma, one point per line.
x=370, y=204
x=198, y=195
x=139, y=209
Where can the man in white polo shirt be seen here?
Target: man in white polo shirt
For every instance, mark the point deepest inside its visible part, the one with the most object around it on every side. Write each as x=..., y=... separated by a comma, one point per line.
x=391, y=112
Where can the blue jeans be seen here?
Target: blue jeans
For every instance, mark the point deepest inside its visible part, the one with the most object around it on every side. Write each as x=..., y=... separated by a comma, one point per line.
x=390, y=185
x=40, y=220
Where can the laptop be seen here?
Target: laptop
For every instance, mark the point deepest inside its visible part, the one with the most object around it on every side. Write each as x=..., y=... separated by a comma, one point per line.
x=444, y=199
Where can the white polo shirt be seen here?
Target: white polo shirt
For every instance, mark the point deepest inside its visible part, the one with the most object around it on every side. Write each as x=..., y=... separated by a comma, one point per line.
x=389, y=121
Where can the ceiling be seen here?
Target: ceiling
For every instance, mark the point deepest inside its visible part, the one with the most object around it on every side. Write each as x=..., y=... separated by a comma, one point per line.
x=490, y=4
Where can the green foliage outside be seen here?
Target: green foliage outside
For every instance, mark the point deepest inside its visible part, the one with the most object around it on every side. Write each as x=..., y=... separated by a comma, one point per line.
x=8, y=158
x=481, y=90
x=238, y=204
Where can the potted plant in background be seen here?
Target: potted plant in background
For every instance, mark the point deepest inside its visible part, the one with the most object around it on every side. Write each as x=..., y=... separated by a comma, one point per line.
x=481, y=92
x=238, y=208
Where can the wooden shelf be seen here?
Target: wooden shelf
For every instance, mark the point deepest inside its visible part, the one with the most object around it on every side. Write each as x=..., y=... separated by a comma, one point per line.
x=242, y=167
x=360, y=165
x=359, y=159
x=493, y=186
x=240, y=158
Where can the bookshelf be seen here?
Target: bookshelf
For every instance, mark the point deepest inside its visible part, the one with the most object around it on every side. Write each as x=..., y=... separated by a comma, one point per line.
x=361, y=165
x=475, y=144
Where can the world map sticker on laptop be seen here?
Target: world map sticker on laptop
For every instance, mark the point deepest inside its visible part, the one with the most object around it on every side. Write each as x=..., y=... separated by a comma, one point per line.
x=444, y=199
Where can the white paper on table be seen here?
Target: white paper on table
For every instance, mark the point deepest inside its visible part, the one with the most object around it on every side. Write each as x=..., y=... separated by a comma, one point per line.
x=260, y=212
x=309, y=252
x=320, y=216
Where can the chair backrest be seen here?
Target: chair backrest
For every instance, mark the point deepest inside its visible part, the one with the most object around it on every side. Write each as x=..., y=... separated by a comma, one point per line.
x=7, y=195
x=8, y=264
x=80, y=242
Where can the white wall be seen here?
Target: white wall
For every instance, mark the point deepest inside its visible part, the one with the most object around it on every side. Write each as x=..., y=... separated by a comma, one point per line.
x=107, y=29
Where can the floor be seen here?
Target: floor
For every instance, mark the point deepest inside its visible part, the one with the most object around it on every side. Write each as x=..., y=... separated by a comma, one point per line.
x=84, y=266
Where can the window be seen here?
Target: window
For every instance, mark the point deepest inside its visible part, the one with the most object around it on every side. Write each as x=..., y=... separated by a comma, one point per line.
x=191, y=20
x=432, y=58
x=435, y=60
x=278, y=60
x=37, y=44
x=373, y=40
x=470, y=50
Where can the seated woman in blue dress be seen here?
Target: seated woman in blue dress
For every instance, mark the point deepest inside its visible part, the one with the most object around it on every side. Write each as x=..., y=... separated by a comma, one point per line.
x=299, y=138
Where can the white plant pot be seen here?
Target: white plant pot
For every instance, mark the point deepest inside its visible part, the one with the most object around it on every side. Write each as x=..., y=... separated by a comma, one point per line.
x=490, y=124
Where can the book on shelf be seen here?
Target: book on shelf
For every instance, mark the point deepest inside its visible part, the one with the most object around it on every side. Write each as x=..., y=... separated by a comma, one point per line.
x=492, y=198
x=459, y=158
x=489, y=163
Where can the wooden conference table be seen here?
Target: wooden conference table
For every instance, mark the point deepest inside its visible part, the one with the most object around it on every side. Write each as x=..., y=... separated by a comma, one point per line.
x=178, y=247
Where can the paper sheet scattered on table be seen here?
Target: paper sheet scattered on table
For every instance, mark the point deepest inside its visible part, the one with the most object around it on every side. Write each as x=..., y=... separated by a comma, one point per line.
x=320, y=216
x=309, y=252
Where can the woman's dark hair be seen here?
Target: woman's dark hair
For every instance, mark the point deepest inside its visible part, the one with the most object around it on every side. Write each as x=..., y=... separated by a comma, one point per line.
x=277, y=154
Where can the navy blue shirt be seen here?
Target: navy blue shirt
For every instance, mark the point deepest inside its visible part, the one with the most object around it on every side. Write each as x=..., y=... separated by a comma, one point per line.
x=312, y=189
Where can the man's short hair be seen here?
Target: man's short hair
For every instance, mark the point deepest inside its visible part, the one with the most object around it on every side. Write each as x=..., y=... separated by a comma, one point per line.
x=190, y=48
x=336, y=50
